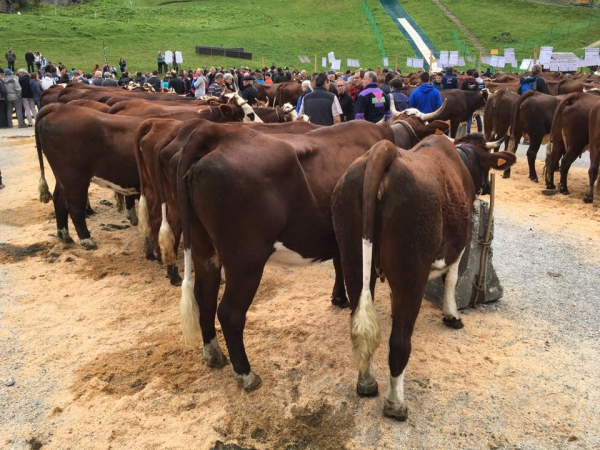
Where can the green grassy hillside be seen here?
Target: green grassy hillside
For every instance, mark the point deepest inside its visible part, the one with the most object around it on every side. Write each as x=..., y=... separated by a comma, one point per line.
x=276, y=32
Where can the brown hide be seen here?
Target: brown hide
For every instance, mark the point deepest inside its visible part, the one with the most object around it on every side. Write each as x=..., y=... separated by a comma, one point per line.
x=569, y=136
x=403, y=214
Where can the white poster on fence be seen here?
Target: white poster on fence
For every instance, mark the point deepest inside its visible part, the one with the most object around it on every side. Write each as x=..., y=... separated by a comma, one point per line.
x=591, y=57
x=179, y=57
x=545, y=55
x=168, y=57
x=324, y=61
x=554, y=66
x=385, y=62
x=501, y=62
x=418, y=63
x=443, y=58
x=486, y=60
x=461, y=62
x=330, y=56
x=409, y=62
x=572, y=65
x=493, y=61
x=336, y=64
x=509, y=55
x=453, y=59
x=526, y=64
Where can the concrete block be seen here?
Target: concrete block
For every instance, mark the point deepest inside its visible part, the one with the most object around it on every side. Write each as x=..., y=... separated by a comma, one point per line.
x=468, y=268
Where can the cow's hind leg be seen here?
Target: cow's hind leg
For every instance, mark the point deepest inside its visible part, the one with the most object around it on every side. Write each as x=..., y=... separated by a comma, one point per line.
x=62, y=215
x=243, y=279
x=76, y=201
x=338, y=296
x=593, y=174
x=131, y=215
x=406, y=303
x=532, y=152
x=565, y=165
x=449, y=310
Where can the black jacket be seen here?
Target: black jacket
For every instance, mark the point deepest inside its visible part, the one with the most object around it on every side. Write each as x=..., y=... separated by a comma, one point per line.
x=347, y=107
x=155, y=83
x=249, y=94
x=178, y=85
x=25, y=82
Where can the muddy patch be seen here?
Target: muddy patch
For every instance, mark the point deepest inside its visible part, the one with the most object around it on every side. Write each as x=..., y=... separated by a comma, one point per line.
x=32, y=212
x=14, y=253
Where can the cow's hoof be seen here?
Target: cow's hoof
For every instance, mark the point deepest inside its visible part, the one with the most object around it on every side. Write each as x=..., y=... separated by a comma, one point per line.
x=564, y=191
x=340, y=302
x=588, y=198
x=88, y=244
x=248, y=382
x=506, y=174
x=214, y=357
x=453, y=322
x=175, y=280
x=132, y=217
x=394, y=411
x=534, y=179
x=89, y=211
x=550, y=186
x=150, y=256
x=63, y=236
x=367, y=390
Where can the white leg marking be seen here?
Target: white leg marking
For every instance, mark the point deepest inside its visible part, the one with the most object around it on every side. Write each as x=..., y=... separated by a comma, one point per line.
x=394, y=395
x=449, y=309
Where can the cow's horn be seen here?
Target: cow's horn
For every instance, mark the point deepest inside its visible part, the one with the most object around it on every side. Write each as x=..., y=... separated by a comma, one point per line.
x=493, y=145
x=431, y=116
x=395, y=112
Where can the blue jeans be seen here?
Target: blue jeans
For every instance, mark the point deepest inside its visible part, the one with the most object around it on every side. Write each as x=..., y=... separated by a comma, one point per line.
x=478, y=120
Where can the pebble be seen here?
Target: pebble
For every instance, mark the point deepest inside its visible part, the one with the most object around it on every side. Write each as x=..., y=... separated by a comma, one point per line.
x=9, y=382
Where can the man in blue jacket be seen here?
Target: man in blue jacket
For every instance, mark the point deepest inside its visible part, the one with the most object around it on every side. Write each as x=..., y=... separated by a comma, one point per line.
x=450, y=81
x=425, y=98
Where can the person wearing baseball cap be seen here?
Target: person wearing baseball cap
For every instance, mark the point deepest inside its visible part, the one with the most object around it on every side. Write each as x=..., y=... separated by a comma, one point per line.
x=249, y=93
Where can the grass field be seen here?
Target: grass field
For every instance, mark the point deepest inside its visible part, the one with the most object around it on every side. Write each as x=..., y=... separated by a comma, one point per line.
x=275, y=32
x=566, y=28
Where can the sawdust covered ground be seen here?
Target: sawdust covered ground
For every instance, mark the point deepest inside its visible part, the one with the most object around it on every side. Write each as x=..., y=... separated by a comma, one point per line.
x=92, y=342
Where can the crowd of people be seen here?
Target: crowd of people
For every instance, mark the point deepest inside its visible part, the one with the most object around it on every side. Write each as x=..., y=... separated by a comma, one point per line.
x=327, y=98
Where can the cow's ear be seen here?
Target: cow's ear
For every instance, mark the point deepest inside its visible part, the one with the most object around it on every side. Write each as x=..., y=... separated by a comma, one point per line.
x=226, y=110
x=500, y=160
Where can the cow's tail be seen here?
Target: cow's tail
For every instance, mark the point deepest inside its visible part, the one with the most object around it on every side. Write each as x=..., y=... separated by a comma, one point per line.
x=365, y=330
x=188, y=308
x=515, y=129
x=43, y=189
x=166, y=238
x=143, y=212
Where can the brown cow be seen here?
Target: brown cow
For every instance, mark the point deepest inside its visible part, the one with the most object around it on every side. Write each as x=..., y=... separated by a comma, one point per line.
x=569, y=136
x=405, y=215
x=532, y=118
x=594, y=121
x=245, y=198
x=99, y=151
x=461, y=106
x=498, y=113
x=156, y=142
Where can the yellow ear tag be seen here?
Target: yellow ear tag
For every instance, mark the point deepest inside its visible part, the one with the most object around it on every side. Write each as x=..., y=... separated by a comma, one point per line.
x=501, y=161
x=438, y=132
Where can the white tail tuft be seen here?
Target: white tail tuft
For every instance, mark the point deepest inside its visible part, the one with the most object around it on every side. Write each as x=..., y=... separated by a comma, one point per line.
x=365, y=331
x=166, y=240
x=143, y=217
x=44, y=191
x=188, y=308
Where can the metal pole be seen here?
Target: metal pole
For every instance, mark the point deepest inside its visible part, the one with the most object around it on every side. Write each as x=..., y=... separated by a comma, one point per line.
x=485, y=244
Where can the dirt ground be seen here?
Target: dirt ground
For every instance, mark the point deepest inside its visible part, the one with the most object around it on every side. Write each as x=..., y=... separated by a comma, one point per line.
x=92, y=342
